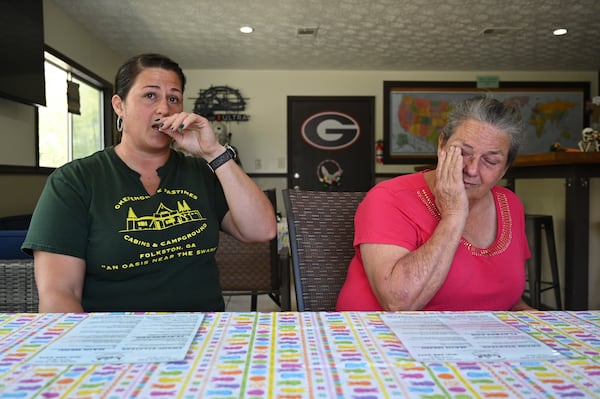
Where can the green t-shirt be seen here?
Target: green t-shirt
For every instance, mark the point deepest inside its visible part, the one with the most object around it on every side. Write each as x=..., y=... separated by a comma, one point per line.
x=142, y=252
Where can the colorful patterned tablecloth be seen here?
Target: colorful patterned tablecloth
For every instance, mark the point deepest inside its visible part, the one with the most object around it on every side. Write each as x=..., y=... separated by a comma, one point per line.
x=293, y=355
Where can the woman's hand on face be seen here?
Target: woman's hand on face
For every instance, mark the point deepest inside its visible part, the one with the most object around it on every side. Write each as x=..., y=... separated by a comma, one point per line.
x=449, y=190
x=192, y=133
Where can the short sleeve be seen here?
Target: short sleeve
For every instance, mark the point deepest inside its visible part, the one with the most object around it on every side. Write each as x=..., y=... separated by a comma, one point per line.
x=60, y=221
x=388, y=216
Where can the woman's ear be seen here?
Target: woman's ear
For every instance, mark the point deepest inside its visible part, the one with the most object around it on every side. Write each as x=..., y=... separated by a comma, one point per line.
x=117, y=104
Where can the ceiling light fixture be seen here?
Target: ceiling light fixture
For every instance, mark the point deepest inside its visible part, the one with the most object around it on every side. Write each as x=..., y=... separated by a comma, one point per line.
x=246, y=29
x=559, y=32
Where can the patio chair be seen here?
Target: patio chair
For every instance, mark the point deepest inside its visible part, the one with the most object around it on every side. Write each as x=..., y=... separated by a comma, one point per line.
x=321, y=232
x=18, y=292
x=255, y=268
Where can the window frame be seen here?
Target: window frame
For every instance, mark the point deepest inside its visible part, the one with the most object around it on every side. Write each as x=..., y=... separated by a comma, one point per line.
x=81, y=73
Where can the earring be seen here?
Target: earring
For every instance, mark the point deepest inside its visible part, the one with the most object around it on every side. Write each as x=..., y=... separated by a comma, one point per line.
x=119, y=124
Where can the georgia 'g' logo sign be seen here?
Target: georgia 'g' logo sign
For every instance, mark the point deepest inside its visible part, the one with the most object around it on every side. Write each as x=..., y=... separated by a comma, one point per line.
x=330, y=130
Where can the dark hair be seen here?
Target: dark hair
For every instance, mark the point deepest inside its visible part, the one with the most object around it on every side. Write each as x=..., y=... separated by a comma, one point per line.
x=487, y=109
x=130, y=70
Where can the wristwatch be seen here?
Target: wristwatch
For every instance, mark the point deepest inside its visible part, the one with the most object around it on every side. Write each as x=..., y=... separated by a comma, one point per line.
x=228, y=155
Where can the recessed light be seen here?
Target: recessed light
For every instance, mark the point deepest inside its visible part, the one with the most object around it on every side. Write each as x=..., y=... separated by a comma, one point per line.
x=246, y=29
x=559, y=32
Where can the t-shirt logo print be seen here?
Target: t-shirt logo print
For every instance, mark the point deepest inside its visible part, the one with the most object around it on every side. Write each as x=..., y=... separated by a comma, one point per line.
x=163, y=218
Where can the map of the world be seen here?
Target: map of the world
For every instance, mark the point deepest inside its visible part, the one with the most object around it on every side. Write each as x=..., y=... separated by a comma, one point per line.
x=549, y=117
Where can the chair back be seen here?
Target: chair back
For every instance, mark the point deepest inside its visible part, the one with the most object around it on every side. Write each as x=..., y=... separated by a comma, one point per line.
x=321, y=231
x=254, y=268
x=18, y=292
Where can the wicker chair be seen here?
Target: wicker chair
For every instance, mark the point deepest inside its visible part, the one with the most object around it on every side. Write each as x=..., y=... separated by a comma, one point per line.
x=255, y=269
x=18, y=292
x=321, y=231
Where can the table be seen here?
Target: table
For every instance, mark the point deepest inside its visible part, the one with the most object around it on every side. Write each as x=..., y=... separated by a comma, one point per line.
x=576, y=168
x=304, y=355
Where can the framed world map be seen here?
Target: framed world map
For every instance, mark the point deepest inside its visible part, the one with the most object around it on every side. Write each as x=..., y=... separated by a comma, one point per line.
x=415, y=112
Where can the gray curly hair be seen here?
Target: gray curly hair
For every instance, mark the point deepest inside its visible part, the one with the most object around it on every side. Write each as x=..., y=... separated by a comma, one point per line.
x=487, y=109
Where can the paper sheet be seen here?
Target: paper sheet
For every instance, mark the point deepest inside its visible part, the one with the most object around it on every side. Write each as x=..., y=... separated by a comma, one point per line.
x=124, y=338
x=430, y=337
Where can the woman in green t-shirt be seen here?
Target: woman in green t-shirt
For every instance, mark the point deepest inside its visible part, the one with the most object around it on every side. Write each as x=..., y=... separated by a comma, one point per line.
x=134, y=227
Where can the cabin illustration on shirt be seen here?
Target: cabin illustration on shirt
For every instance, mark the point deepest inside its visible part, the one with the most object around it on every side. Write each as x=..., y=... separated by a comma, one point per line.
x=163, y=218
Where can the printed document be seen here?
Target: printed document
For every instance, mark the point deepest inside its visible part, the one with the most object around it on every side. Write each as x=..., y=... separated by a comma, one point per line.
x=124, y=338
x=435, y=337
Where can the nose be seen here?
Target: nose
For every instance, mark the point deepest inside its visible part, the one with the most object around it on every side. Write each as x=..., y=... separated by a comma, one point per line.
x=471, y=165
x=162, y=107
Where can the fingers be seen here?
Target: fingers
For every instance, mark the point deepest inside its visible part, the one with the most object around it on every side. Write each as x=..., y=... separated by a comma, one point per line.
x=455, y=164
x=191, y=132
x=449, y=187
x=450, y=165
x=181, y=121
x=171, y=124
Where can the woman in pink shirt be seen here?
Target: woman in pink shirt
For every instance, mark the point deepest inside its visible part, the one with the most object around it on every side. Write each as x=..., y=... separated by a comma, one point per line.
x=449, y=238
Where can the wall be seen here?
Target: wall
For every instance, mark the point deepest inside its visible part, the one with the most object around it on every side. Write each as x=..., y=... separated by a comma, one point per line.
x=73, y=40
x=21, y=193
x=17, y=133
x=17, y=121
x=264, y=136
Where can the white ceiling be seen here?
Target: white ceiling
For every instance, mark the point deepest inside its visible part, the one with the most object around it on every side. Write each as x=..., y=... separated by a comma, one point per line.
x=352, y=34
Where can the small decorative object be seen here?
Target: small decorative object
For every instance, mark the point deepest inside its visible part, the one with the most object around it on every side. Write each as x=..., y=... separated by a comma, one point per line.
x=221, y=103
x=590, y=141
x=590, y=136
x=222, y=132
x=329, y=173
x=557, y=147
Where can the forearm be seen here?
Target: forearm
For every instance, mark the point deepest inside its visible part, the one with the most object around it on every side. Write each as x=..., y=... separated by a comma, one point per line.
x=56, y=302
x=417, y=276
x=252, y=217
x=59, y=280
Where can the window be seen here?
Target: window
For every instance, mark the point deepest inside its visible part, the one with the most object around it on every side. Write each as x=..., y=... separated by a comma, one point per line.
x=63, y=134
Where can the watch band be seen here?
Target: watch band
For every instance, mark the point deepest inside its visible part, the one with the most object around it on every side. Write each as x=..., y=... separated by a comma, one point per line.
x=228, y=155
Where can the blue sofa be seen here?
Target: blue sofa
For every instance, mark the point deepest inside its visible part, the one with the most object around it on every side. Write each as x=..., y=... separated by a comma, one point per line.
x=12, y=233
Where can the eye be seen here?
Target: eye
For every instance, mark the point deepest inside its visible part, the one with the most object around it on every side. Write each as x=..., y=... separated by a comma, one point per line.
x=150, y=95
x=491, y=162
x=174, y=100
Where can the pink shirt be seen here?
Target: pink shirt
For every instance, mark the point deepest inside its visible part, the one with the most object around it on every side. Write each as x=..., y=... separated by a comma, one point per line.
x=402, y=211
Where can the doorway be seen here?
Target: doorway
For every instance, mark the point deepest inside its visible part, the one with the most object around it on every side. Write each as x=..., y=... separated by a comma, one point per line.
x=331, y=143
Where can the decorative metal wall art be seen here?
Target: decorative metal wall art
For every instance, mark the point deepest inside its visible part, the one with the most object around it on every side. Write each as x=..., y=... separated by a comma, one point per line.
x=221, y=103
